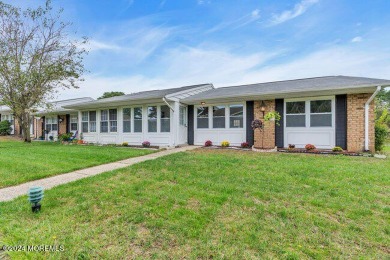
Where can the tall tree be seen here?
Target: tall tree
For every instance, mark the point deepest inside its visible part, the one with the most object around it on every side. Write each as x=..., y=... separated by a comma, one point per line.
x=38, y=58
x=111, y=94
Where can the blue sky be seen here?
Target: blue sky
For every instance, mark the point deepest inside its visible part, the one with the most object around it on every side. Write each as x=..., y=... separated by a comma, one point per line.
x=141, y=45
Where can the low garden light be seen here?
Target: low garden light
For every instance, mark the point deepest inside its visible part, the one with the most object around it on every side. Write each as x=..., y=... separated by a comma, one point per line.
x=35, y=195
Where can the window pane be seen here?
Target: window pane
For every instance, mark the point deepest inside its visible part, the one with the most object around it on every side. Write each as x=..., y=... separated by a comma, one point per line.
x=165, y=125
x=165, y=112
x=138, y=125
x=295, y=120
x=236, y=116
x=85, y=127
x=321, y=120
x=218, y=116
x=73, y=127
x=104, y=115
x=48, y=127
x=113, y=126
x=138, y=113
x=92, y=116
x=104, y=127
x=126, y=114
x=84, y=116
x=152, y=125
x=203, y=117
x=92, y=127
x=152, y=112
x=321, y=106
x=126, y=126
x=54, y=127
x=295, y=107
x=113, y=114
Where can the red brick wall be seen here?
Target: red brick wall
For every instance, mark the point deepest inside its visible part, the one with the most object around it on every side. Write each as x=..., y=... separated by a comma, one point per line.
x=62, y=126
x=355, y=122
x=266, y=138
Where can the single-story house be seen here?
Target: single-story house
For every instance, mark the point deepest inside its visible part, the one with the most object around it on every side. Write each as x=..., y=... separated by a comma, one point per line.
x=323, y=111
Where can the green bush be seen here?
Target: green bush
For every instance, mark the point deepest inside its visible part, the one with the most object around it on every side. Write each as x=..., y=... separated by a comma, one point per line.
x=65, y=137
x=337, y=149
x=5, y=127
x=381, y=134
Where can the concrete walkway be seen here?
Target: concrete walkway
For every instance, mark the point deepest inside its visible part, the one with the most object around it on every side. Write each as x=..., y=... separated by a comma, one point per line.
x=10, y=193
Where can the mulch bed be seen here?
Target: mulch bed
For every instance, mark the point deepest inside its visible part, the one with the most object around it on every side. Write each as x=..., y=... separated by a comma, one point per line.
x=301, y=150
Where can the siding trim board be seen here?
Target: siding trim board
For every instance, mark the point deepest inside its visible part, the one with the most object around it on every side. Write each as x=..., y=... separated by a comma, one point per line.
x=341, y=121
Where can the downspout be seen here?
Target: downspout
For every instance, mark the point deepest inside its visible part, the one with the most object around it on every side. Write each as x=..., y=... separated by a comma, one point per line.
x=166, y=102
x=366, y=121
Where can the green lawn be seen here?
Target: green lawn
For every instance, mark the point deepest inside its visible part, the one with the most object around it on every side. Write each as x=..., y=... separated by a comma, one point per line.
x=214, y=204
x=22, y=162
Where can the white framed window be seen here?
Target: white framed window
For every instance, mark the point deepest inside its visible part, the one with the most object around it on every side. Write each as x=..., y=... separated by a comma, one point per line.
x=183, y=116
x=165, y=119
x=126, y=120
x=236, y=119
x=202, y=120
x=51, y=124
x=88, y=121
x=152, y=119
x=84, y=121
x=310, y=112
x=137, y=119
x=219, y=116
x=113, y=116
x=104, y=121
x=73, y=123
x=92, y=121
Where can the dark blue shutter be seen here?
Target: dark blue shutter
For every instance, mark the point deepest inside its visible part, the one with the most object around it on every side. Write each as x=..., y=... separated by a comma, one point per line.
x=250, y=116
x=279, y=129
x=190, y=126
x=341, y=121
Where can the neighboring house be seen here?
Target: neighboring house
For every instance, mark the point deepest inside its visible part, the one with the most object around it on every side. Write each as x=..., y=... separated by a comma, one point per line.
x=6, y=114
x=157, y=116
x=56, y=119
x=324, y=111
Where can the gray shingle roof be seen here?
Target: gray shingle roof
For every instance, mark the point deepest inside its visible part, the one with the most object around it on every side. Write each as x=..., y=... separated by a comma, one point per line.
x=144, y=95
x=328, y=83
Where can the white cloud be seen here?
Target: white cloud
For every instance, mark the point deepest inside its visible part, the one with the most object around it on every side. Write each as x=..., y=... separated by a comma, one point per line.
x=357, y=39
x=299, y=9
x=240, y=22
x=94, y=45
x=202, y=2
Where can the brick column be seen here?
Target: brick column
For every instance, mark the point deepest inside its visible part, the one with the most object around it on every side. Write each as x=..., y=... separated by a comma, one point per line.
x=62, y=126
x=268, y=133
x=355, y=122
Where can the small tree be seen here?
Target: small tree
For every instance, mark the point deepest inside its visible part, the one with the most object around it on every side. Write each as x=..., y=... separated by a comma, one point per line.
x=111, y=94
x=37, y=59
x=5, y=127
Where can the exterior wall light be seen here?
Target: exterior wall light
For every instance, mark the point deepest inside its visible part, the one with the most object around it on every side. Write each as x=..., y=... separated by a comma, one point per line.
x=262, y=107
x=203, y=103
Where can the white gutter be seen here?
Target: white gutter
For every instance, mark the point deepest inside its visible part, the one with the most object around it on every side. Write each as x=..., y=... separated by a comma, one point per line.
x=166, y=102
x=366, y=124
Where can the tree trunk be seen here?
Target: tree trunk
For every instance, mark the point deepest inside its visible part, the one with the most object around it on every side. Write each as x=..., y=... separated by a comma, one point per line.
x=24, y=122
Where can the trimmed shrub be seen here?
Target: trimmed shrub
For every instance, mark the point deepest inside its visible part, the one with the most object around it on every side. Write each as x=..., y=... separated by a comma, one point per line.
x=381, y=134
x=245, y=145
x=208, y=143
x=65, y=137
x=125, y=144
x=225, y=144
x=310, y=147
x=146, y=144
x=337, y=149
x=5, y=127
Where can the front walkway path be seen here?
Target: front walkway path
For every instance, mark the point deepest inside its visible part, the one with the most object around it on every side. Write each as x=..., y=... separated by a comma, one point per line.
x=10, y=193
